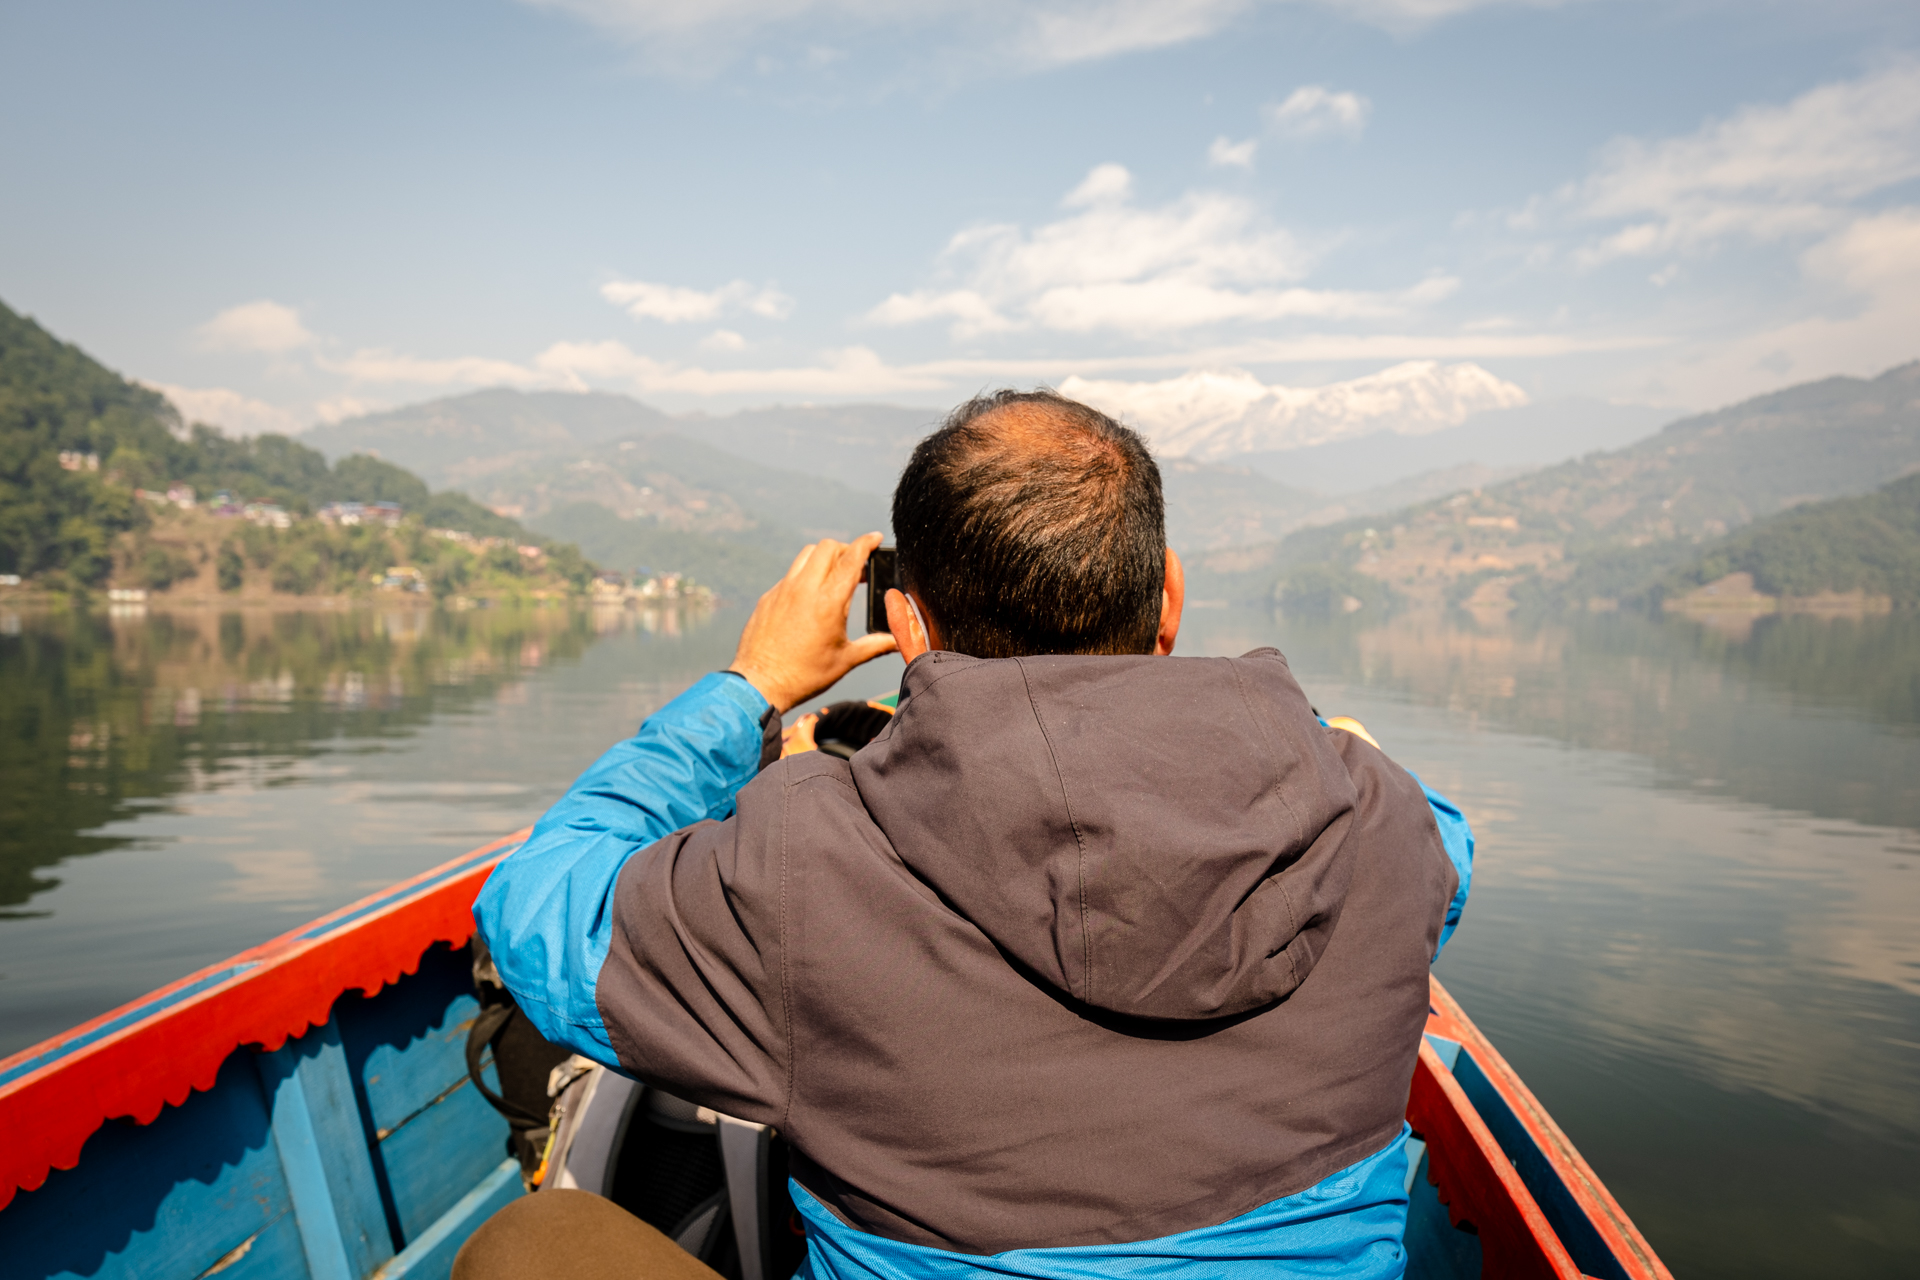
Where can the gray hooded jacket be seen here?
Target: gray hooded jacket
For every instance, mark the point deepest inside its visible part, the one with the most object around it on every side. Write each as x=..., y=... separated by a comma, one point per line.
x=1078, y=950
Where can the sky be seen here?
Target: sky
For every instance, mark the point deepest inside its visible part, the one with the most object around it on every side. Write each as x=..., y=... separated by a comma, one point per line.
x=285, y=214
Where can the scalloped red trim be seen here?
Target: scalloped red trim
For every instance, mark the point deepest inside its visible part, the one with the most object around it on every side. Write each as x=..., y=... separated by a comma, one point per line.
x=49, y=1113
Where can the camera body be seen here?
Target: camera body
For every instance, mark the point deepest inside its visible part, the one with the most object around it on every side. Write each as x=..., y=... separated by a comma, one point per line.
x=882, y=572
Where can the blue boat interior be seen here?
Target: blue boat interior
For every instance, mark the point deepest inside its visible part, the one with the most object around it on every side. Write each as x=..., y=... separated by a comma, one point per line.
x=361, y=1149
x=358, y=1149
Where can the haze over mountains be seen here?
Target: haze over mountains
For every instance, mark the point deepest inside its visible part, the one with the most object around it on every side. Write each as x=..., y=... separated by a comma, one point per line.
x=729, y=497
x=1609, y=526
x=760, y=476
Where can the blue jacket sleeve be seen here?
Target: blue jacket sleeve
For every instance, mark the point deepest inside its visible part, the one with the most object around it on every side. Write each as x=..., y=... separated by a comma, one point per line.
x=1457, y=836
x=546, y=911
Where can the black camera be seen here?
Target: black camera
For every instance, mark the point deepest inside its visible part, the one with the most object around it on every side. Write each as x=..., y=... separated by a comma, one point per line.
x=881, y=573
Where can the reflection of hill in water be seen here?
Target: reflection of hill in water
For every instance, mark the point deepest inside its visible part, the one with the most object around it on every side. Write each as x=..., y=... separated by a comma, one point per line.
x=102, y=719
x=1814, y=715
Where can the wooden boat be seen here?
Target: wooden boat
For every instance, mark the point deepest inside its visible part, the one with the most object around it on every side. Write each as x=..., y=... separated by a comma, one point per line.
x=304, y=1109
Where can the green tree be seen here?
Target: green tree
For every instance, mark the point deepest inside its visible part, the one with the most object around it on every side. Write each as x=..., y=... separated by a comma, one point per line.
x=157, y=568
x=230, y=567
x=362, y=478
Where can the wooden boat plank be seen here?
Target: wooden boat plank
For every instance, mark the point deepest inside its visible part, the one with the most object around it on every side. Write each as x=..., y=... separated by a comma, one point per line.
x=1477, y=1182
x=406, y=1053
x=431, y=1256
x=272, y=1253
x=323, y=1148
x=1435, y=1248
x=1571, y=1173
x=438, y=1156
x=1575, y=1229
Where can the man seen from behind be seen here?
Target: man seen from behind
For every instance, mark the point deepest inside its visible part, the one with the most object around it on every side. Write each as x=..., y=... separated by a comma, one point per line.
x=1095, y=961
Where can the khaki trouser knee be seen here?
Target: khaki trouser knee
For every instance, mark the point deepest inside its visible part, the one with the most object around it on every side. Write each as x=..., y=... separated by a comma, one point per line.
x=572, y=1235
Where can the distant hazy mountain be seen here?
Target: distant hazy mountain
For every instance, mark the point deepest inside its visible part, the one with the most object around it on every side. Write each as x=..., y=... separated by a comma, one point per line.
x=1702, y=476
x=461, y=439
x=686, y=485
x=1608, y=525
x=812, y=470
x=1266, y=495
x=863, y=445
x=1212, y=507
x=1534, y=435
x=739, y=565
x=471, y=439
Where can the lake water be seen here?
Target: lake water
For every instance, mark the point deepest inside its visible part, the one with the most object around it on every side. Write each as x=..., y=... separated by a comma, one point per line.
x=1695, y=927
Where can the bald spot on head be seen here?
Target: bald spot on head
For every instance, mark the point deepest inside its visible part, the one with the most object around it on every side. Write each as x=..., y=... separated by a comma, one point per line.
x=1006, y=449
x=1031, y=523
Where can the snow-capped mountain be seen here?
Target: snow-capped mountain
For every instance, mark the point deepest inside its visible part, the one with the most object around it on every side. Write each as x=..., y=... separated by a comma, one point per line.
x=1215, y=414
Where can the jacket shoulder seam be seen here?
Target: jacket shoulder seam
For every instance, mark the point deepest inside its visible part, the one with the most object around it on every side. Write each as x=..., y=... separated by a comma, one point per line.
x=786, y=978
x=1260, y=726
x=846, y=783
x=1079, y=841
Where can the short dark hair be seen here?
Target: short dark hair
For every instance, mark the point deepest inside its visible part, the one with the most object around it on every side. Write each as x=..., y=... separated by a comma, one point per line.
x=1030, y=523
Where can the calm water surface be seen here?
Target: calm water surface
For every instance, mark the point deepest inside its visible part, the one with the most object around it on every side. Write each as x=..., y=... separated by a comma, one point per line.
x=1695, y=927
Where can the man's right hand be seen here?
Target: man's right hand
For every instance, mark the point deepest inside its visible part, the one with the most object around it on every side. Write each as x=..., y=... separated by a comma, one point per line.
x=795, y=645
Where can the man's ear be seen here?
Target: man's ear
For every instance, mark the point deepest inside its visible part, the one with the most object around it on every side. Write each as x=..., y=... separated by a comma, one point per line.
x=1173, y=598
x=905, y=625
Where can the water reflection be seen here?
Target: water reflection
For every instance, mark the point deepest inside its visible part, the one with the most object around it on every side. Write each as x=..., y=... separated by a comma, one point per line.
x=180, y=786
x=1781, y=712
x=103, y=718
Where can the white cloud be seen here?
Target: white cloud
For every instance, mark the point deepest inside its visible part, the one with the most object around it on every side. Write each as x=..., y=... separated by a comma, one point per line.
x=1034, y=33
x=383, y=367
x=854, y=371
x=1211, y=414
x=723, y=340
x=859, y=372
x=1228, y=154
x=1863, y=318
x=1313, y=110
x=1064, y=33
x=1764, y=173
x=1104, y=184
x=1207, y=258
x=232, y=412
x=1411, y=397
x=970, y=311
x=262, y=326
x=340, y=408
x=675, y=305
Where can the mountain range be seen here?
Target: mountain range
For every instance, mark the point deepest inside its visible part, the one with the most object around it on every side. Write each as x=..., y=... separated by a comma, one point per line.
x=767, y=478
x=1608, y=526
x=1209, y=415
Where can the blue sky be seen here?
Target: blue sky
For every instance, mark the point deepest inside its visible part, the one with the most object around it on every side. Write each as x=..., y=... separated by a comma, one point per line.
x=284, y=213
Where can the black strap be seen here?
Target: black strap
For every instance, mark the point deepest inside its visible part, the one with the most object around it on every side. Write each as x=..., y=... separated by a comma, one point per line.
x=769, y=728
x=487, y=1026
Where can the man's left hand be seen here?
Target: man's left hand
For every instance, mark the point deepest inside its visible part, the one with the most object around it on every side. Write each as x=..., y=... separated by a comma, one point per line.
x=795, y=645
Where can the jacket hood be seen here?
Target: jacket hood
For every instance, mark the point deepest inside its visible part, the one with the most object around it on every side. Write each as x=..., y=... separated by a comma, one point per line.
x=1158, y=837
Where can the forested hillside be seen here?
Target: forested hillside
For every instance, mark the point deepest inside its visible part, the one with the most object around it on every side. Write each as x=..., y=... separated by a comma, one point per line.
x=1869, y=544
x=79, y=443
x=631, y=486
